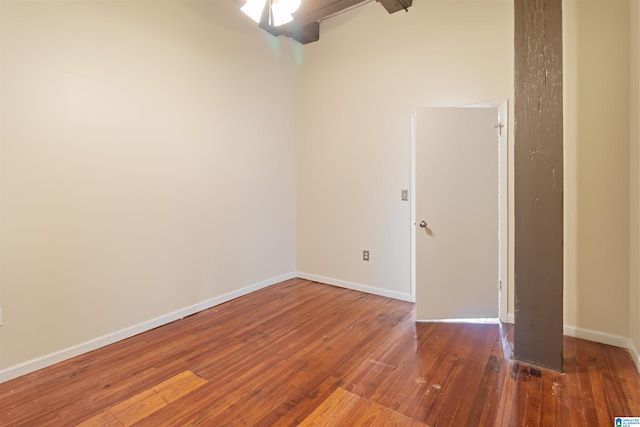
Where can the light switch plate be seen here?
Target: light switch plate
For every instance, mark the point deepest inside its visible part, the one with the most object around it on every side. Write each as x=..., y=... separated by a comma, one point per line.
x=404, y=195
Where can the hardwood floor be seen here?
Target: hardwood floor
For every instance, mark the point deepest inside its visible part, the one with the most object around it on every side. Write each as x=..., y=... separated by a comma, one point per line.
x=303, y=353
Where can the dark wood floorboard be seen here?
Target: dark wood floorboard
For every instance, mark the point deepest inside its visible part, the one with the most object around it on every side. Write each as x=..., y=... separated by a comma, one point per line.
x=301, y=352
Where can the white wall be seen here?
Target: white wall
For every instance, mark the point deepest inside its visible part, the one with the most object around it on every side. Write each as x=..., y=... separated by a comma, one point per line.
x=147, y=165
x=596, y=104
x=358, y=87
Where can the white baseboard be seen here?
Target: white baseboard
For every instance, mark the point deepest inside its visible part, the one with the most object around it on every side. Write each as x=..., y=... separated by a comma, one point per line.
x=604, y=338
x=356, y=286
x=93, y=344
x=635, y=354
x=76, y=350
x=596, y=336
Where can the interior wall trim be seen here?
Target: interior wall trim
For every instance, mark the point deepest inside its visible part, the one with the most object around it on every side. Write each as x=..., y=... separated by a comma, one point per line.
x=93, y=344
x=635, y=354
x=356, y=286
x=596, y=336
x=604, y=338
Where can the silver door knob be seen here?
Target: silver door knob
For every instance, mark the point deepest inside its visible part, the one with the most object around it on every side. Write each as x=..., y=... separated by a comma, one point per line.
x=423, y=224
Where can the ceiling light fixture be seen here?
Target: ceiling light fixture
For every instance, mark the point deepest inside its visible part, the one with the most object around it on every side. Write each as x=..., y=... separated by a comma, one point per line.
x=277, y=12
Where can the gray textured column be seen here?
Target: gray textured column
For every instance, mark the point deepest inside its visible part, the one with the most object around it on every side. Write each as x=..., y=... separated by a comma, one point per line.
x=538, y=183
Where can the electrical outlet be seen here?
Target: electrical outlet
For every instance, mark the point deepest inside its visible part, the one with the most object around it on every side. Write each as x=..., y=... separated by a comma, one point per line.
x=365, y=255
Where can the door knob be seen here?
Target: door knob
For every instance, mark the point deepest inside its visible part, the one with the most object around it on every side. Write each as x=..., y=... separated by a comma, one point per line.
x=423, y=224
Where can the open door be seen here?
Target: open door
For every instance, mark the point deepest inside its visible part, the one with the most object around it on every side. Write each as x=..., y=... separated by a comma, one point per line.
x=457, y=213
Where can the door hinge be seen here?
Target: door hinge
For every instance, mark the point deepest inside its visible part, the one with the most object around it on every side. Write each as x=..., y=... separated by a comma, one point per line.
x=500, y=284
x=499, y=126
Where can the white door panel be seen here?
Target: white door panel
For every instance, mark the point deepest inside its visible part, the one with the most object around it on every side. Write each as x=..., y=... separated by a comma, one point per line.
x=456, y=194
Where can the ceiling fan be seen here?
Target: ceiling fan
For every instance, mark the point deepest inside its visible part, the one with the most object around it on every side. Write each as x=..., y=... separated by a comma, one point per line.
x=302, y=22
x=276, y=12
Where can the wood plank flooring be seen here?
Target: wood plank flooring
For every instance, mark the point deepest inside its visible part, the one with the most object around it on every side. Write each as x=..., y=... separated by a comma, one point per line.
x=344, y=408
x=303, y=353
x=142, y=405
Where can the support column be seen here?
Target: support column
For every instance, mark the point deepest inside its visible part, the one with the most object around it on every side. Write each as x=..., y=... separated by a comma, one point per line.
x=538, y=332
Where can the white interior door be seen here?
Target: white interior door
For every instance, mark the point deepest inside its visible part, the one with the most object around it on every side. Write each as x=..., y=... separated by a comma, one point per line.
x=457, y=213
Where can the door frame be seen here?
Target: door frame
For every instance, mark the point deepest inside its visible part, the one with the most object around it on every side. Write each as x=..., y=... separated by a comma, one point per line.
x=503, y=209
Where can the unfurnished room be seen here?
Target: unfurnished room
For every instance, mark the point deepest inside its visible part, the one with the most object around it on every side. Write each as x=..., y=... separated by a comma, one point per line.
x=319, y=212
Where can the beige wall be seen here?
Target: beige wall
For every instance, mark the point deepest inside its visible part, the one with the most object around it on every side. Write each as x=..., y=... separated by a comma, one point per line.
x=634, y=301
x=358, y=87
x=596, y=160
x=147, y=164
